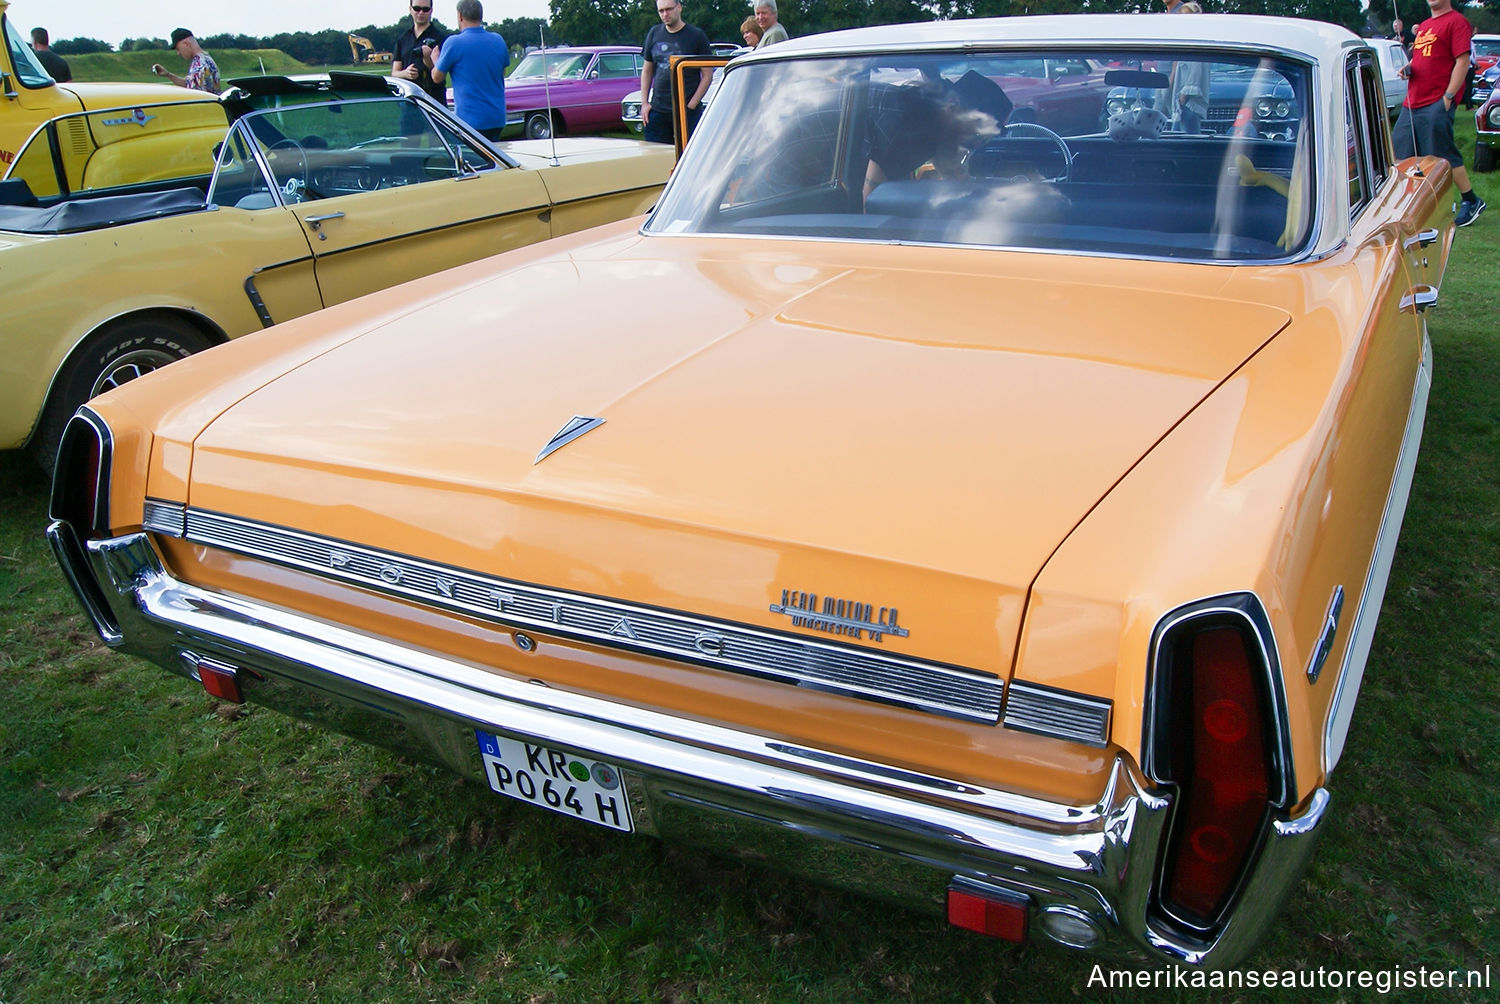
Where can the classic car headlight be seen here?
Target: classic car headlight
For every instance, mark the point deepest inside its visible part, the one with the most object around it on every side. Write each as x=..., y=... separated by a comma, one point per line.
x=1283, y=109
x=1493, y=116
x=632, y=108
x=1264, y=107
x=1113, y=106
x=1215, y=736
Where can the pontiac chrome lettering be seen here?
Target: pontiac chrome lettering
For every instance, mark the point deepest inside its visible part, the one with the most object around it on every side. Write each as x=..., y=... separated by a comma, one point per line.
x=828, y=665
x=830, y=614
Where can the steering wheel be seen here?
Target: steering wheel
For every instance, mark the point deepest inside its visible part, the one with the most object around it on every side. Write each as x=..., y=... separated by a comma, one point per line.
x=1062, y=144
x=292, y=190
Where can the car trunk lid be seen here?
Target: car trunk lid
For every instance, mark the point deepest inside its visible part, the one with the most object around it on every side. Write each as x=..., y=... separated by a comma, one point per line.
x=784, y=446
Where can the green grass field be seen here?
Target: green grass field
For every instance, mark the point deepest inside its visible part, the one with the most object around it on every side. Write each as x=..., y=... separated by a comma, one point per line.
x=136, y=66
x=156, y=845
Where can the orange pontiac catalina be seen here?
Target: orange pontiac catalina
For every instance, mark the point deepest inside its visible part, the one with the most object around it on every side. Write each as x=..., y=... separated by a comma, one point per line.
x=1004, y=507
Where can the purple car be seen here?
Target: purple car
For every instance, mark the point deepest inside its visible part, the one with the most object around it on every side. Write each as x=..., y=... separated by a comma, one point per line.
x=582, y=86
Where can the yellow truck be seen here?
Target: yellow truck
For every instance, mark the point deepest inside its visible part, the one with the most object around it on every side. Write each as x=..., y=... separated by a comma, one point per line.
x=29, y=97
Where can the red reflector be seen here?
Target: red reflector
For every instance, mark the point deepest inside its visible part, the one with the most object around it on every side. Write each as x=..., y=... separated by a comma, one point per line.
x=220, y=680
x=994, y=914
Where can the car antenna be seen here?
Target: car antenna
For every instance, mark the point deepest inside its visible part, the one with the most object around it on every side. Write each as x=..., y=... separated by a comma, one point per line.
x=541, y=34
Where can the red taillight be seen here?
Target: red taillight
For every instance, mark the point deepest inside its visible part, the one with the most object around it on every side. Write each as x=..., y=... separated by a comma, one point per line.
x=989, y=911
x=1222, y=764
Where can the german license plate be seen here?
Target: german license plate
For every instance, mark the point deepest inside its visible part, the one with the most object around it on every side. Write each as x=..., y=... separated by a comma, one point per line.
x=589, y=789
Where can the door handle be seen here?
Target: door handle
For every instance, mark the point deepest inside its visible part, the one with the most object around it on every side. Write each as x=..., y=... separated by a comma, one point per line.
x=316, y=221
x=313, y=221
x=1421, y=239
x=1419, y=299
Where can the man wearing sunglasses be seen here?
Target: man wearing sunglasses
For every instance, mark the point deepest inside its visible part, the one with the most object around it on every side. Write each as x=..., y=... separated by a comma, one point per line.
x=414, y=49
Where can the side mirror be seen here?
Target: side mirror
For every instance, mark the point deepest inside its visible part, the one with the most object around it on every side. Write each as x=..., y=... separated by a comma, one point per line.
x=8, y=90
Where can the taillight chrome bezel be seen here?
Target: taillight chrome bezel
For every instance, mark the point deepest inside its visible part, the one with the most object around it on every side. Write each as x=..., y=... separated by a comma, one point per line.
x=80, y=482
x=1245, y=614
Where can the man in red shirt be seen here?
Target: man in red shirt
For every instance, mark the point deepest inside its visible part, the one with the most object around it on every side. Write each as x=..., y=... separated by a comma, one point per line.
x=1439, y=64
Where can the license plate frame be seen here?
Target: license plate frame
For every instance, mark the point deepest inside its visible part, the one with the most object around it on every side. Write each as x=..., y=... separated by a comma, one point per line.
x=566, y=783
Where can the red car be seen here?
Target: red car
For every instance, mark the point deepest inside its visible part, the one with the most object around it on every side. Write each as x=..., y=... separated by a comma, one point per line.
x=1487, y=138
x=1485, y=50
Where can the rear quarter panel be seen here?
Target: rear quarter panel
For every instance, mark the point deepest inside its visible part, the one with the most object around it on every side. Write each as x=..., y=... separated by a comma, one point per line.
x=1276, y=484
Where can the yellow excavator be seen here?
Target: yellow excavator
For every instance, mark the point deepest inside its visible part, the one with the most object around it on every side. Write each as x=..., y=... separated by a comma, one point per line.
x=363, y=50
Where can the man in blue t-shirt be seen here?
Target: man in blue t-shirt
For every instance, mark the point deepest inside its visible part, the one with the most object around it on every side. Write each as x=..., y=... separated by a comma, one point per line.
x=673, y=37
x=476, y=59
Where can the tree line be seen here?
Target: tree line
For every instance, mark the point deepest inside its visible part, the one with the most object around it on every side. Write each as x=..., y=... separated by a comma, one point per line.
x=328, y=47
x=586, y=22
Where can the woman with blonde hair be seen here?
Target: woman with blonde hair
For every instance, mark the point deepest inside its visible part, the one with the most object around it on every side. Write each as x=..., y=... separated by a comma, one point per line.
x=750, y=32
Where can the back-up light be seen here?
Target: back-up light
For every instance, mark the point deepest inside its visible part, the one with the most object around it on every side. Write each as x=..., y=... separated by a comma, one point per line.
x=1215, y=742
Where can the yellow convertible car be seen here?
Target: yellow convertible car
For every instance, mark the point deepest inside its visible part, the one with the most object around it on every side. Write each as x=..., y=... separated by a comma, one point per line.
x=135, y=236
x=989, y=513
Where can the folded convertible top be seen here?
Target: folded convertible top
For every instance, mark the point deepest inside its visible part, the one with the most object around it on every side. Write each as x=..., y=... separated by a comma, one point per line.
x=106, y=211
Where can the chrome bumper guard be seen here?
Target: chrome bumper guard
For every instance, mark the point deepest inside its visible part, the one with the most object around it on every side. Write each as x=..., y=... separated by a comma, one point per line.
x=880, y=830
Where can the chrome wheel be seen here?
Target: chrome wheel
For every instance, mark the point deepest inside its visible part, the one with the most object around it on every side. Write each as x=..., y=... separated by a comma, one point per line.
x=538, y=126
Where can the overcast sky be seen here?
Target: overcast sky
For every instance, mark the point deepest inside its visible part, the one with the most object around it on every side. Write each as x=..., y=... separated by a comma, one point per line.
x=113, y=20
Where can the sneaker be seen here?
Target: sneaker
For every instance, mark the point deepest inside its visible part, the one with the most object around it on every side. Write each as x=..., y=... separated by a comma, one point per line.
x=1468, y=211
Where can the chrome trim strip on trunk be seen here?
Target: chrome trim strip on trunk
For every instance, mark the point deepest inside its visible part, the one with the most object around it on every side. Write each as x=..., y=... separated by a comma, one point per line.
x=1362, y=633
x=1048, y=711
x=166, y=518
x=954, y=692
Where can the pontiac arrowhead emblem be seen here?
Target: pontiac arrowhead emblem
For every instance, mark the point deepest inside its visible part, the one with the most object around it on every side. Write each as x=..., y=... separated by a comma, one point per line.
x=575, y=427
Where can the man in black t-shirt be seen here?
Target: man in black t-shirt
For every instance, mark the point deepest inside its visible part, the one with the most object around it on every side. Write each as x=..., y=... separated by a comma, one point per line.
x=55, y=65
x=413, y=56
x=673, y=37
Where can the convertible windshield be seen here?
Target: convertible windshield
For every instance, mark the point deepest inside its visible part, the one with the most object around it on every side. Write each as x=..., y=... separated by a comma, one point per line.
x=554, y=65
x=1150, y=153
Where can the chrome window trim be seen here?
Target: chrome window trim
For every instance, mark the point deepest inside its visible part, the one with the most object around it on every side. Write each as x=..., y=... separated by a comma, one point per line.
x=1304, y=255
x=1362, y=632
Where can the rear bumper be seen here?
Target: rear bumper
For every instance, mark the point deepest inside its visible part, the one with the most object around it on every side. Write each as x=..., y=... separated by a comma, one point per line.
x=867, y=826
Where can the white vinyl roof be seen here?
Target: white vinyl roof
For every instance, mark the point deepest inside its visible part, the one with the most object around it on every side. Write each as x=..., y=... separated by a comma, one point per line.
x=1318, y=40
